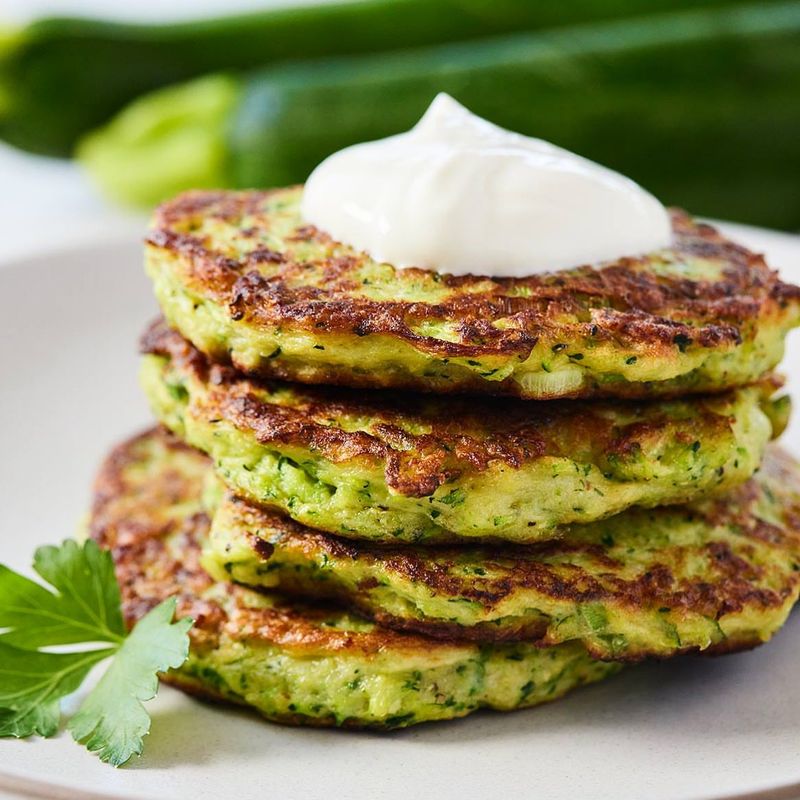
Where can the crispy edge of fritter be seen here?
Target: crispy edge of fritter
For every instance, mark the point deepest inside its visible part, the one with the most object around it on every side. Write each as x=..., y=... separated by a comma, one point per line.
x=736, y=586
x=128, y=518
x=632, y=305
x=464, y=436
x=128, y=522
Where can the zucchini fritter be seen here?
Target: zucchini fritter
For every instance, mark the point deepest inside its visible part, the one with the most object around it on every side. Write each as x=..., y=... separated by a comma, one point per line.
x=719, y=575
x=420, y=468
x=241, y=276
x=293, y=662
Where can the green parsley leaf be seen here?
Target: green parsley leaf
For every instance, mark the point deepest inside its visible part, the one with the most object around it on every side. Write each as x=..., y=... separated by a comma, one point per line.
x=82, y=607
x=85, y=607
x=112, y=720
x=32, y=683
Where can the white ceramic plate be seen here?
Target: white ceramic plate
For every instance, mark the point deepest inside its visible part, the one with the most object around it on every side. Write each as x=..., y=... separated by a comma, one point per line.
x=687, y=729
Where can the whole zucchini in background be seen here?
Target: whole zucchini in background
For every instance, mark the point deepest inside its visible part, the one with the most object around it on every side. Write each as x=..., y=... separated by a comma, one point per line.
x=59, y=78
x=701, y=107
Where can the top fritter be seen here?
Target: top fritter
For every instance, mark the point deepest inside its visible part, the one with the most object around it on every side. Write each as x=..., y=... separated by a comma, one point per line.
x=246, y=281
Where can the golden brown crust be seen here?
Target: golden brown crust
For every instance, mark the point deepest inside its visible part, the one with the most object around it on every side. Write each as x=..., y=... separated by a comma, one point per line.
x=630, y=304
x=582, y=570
x=157, y=557
x=422, y=442
x=127, y=518
x=726, y=559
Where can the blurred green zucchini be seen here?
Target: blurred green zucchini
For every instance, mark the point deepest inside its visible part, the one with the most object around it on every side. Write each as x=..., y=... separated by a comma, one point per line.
x=702, y=107
x=59, y=78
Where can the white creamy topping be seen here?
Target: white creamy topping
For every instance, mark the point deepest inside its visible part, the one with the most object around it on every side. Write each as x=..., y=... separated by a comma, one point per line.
x=458, y=194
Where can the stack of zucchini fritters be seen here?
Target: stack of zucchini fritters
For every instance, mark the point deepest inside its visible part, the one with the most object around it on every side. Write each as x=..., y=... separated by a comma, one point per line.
x=391, y=496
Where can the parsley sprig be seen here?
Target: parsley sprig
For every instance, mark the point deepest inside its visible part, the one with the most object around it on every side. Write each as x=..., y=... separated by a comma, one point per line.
x=81, y=606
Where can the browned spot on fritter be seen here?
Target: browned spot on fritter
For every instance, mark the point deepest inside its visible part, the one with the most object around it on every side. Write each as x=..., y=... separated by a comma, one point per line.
x=450, y=436
x=157, y=558
x=623, y=302
x=262, y=547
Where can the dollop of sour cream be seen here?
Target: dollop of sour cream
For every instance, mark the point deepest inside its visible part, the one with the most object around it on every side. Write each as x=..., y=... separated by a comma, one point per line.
x=459, y=195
